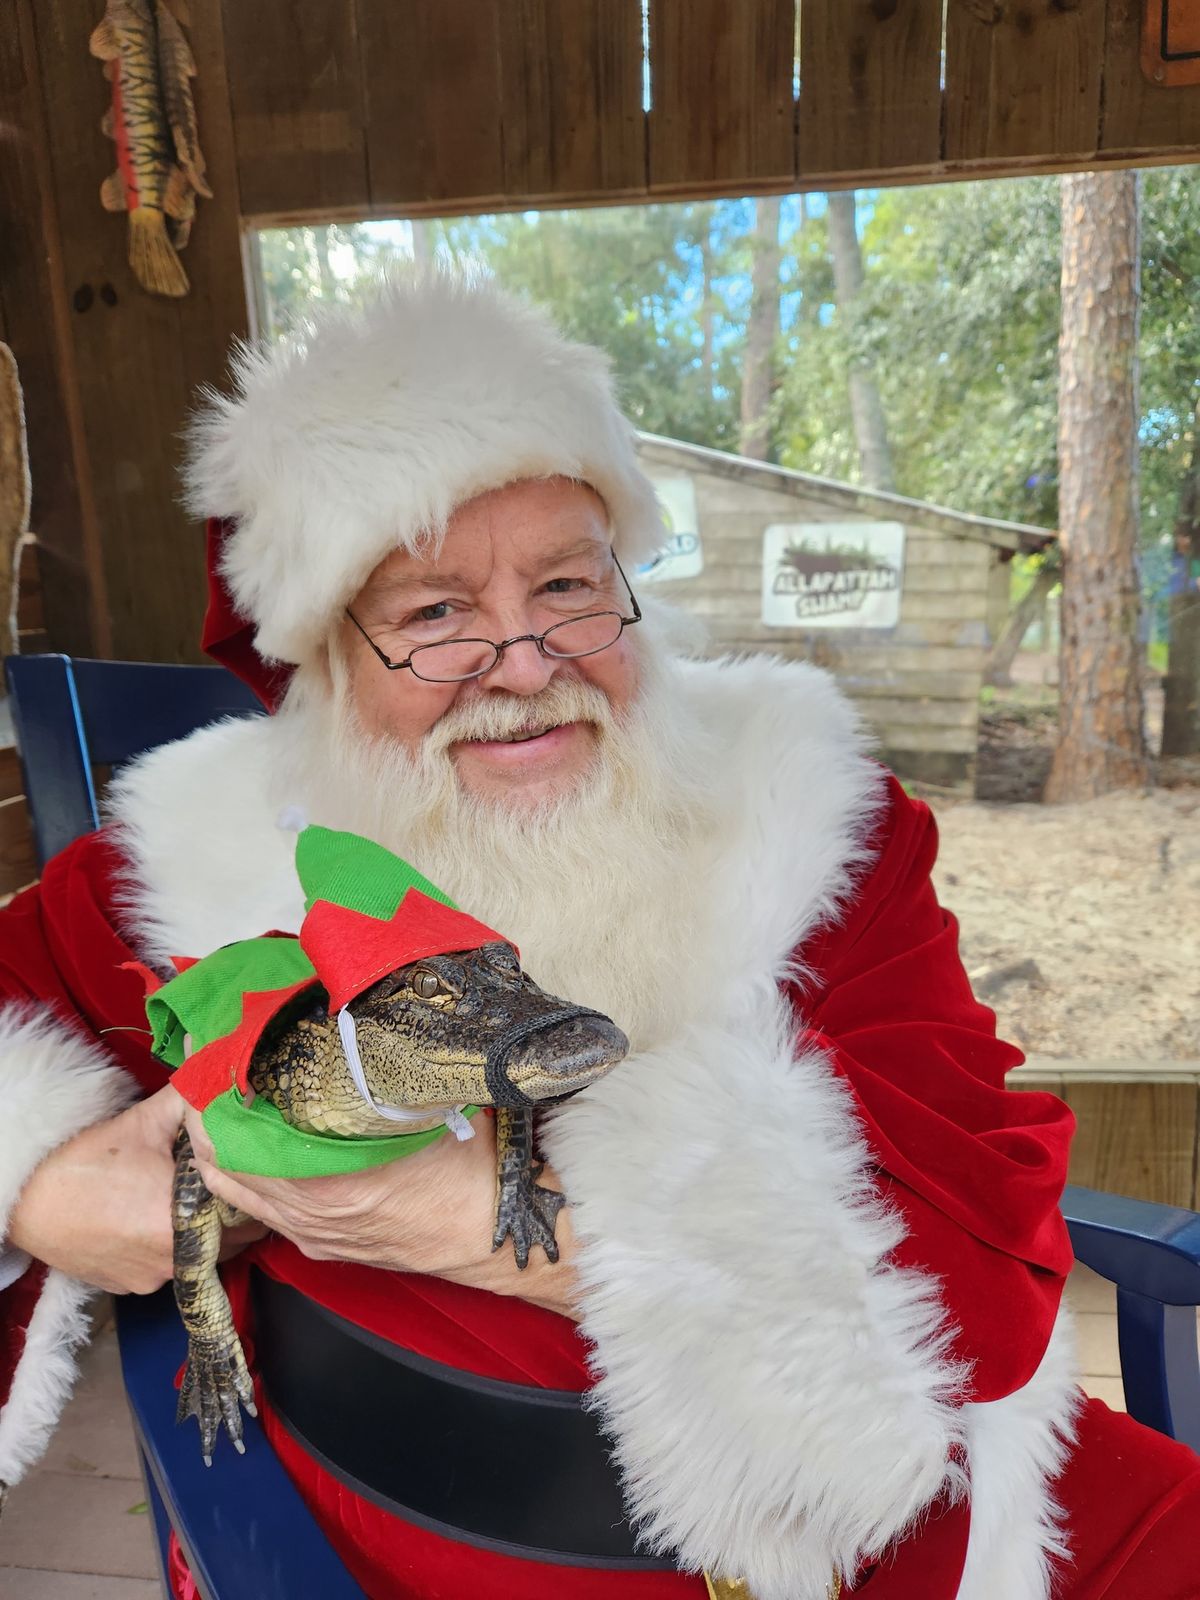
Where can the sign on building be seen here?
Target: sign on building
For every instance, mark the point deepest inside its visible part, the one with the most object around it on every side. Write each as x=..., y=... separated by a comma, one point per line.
x=679, y=555
x=832, y=574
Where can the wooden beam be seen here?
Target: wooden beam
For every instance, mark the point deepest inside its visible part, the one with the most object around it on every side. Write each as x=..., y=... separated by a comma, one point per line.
x=870, y=85
x=296, y=88
x=432, y=95
x=1023, y=78
x=721, y=91
x=572, y=97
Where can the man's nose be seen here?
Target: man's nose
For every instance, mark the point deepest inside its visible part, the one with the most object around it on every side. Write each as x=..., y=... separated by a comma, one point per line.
x=521, y=669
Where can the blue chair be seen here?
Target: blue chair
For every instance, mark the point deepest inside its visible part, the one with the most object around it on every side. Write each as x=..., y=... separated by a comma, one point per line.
x=73, y=715
x=245, y=1531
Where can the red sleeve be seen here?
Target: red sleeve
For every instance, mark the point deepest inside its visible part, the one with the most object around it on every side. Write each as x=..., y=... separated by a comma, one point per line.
x=977, y=1170
x=60, y=944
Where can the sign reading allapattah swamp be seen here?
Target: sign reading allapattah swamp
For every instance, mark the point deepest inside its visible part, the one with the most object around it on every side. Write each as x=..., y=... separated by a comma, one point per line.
x=832, y=574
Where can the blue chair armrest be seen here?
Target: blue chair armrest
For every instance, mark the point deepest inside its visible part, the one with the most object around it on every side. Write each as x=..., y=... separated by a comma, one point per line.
x=244, y=1529
x=1152, y=1254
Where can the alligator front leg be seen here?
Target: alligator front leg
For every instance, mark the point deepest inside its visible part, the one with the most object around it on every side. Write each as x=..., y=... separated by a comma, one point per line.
x=215, y=1377
x=524, y=1209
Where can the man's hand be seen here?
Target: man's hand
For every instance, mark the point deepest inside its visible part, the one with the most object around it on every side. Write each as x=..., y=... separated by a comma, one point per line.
x=432, y=1212
x=99, y=1207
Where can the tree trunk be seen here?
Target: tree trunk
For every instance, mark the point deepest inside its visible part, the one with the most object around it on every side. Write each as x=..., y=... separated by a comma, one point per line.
x=325, y=273
x=762, y=330
x=707, y=309
x=1101, y=741
x=1181, y=686
x=866, y=408
x=998, y=671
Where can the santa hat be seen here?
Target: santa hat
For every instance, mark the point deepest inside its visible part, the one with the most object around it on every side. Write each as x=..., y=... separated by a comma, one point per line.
x=364, y=432
x=368, y=913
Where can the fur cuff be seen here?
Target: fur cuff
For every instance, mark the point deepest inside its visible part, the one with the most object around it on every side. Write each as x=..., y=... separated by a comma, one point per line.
x=45, y=1374
x=781, y=1398
x=54, y=1082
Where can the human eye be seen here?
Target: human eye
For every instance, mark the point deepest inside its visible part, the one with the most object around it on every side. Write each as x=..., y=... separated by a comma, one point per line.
x=433, y=620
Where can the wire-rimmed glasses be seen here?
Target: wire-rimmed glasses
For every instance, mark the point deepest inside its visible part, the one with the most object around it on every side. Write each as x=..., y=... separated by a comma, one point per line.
x=456, y=660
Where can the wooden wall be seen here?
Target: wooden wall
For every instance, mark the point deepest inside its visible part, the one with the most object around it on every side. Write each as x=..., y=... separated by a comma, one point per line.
x=917, y=684
x=109, y=372
x=1138, y=1125
x=377, y=106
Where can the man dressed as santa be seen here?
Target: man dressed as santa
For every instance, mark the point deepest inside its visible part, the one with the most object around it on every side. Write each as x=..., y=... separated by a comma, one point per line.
x=812, y=1260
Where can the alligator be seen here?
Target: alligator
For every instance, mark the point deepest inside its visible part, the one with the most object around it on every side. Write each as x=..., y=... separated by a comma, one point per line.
x=469, y=1028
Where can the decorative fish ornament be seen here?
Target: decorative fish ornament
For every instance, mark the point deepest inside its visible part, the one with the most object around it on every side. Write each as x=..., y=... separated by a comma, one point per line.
x=160, y=169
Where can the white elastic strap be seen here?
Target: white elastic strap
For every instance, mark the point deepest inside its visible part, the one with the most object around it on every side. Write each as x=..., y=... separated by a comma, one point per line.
x=452, y=1117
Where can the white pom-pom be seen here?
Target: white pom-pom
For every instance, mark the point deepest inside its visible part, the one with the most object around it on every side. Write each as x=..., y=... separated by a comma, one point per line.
x=292, y=819
x=458, y=1125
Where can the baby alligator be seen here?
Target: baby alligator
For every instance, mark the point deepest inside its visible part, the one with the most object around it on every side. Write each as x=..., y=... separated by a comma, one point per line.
x=464, y=1029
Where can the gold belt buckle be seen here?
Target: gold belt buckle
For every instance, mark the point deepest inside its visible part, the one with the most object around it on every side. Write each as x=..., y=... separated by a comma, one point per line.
x=739, y=1589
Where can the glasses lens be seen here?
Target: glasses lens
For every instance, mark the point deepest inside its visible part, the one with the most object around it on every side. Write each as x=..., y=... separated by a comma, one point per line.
x=583, y=636
x=452, y=660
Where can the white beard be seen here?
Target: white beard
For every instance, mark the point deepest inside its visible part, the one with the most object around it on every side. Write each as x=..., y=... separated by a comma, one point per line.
x=602, y=889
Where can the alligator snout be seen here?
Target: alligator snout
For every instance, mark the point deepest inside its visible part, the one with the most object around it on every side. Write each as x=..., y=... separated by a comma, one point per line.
x=563, y=1055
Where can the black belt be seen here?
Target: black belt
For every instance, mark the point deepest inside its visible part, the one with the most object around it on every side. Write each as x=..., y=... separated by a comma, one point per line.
x=508, y=1467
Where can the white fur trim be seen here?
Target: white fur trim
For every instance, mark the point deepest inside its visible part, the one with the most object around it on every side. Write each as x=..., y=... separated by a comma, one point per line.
x=53, y=1084
x=45, y=1374
x=1016, y=1447
x=363, y=434
x=780, y=1396
x=183, y=897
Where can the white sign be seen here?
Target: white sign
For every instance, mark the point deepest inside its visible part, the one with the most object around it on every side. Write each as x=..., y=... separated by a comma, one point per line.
x=832, y=574
x=680, y=555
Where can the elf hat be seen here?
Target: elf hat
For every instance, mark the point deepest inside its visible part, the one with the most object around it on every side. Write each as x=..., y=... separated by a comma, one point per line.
x=369, y=913
x=363, y=433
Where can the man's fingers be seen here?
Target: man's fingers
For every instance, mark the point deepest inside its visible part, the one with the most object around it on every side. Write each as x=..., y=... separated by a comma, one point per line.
x=202, y=1145
x=237, y=1194
x=165, y=1109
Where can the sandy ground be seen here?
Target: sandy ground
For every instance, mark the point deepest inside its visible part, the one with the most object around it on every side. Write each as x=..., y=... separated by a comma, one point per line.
x=1103, y=898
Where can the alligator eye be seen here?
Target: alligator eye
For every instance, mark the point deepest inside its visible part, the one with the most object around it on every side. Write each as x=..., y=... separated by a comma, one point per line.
x=426, y=984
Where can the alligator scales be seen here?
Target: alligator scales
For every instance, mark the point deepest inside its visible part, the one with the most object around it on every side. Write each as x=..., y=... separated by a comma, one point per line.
x=464, y=1029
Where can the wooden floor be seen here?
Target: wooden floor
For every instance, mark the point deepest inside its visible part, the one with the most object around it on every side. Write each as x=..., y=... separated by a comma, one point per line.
x=77, y=1529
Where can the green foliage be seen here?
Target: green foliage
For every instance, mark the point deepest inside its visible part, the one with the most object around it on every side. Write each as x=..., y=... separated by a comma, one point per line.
x=641, y=282
x=959, y=323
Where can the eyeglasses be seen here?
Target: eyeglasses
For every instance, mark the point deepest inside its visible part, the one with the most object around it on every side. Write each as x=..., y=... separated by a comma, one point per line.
x=456, y=660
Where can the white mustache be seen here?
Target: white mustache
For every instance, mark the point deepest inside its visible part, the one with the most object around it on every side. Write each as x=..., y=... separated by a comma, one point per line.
x=500, y=715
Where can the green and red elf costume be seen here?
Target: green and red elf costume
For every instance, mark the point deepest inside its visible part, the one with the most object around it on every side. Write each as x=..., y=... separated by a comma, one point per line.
x=368, y=913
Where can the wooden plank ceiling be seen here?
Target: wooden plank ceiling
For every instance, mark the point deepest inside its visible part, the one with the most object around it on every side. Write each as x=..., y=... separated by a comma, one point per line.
x=387, y=107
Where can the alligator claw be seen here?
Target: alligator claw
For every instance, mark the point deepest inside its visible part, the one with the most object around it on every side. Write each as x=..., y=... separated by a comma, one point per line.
x=527, y=1213
x=216, y=1384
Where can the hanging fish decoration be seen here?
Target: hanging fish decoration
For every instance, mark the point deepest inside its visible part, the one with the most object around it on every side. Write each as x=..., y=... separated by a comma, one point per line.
x=160, y=169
